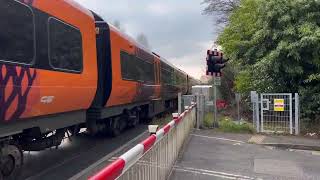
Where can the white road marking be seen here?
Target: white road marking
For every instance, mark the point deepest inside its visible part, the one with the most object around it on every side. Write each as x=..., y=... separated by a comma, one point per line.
x=237, y=144
x=106, y=158
x=208, y=174
x=218, y=138
x=213, y=173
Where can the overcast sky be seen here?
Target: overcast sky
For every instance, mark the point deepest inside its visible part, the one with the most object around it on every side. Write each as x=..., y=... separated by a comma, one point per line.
x=175, y=29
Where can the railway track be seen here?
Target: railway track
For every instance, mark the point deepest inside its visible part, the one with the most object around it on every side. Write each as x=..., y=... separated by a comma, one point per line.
x=77, y=154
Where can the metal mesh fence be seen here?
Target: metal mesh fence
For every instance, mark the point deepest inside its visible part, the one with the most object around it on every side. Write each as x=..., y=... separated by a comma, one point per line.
x=276, y=114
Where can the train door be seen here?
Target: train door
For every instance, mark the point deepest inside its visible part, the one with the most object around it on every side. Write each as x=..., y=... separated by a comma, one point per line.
x=157, y=72
x=66, y=47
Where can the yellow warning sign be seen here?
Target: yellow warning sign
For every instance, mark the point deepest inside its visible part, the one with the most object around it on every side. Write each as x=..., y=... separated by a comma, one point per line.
x=278, y=105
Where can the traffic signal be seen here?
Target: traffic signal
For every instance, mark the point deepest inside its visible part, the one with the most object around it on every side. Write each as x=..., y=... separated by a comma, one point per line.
x=215, y=62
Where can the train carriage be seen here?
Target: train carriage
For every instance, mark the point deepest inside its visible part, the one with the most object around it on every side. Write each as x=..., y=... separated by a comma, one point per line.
x=63, y=68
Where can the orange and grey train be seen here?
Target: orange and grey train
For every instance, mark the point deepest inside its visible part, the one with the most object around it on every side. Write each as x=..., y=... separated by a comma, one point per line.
x=63, y=68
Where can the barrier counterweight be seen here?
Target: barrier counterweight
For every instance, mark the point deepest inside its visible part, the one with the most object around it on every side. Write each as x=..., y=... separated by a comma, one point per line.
x=154, y=158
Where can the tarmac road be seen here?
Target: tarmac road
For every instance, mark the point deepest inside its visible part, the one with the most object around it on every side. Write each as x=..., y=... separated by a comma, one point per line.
x=210, y=155
x=75, y=155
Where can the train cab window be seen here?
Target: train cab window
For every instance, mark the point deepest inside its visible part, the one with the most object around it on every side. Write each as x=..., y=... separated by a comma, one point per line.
x=17, y=33
x=65, y=46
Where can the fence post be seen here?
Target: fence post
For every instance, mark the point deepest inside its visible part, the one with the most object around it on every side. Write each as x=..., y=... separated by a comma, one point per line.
x=238, y=98
x=198, y=110
x=290, y=102
x=258, y=115
x=179, y=103
x=296, y=114
x=201, y=109
x=254, y=119
x=255, y=107
x=215, y=120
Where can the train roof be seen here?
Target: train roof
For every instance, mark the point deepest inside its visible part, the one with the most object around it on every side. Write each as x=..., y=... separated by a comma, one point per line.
x=139, y=45
x=78, y=6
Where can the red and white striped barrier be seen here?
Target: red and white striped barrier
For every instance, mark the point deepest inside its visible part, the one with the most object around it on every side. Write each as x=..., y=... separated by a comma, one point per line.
x=116, y=168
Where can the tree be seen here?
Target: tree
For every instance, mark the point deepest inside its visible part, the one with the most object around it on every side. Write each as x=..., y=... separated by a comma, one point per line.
x=142, y=39
x=276, y=46
x=118, y=25
x=220, y=8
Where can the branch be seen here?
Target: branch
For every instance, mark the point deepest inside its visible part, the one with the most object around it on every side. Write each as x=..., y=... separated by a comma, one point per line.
x=221, y=8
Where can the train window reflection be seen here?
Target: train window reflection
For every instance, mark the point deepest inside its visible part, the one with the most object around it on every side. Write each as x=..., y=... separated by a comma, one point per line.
x=17, y=33
x=166, y=74
x=65, y=46
x=136, y=69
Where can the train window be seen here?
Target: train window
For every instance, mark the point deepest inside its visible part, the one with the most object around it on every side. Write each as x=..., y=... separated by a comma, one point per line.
x=126, y=65
x=140, y=70
x=65, y=46
x=17, y=33
x=149, y=72
x=129, y=67
x=167, y=74
x=136, y=69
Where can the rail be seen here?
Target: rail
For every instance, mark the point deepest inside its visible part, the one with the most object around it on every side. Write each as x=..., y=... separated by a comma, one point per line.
x=153, y=158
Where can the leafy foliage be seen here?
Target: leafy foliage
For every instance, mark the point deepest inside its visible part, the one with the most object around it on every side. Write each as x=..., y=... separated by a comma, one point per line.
x=208, y=120
x=276, y=46
x=227, y=84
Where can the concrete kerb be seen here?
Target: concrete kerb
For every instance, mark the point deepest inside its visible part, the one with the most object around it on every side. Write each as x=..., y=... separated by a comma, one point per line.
x=292, y=146
x=266, y=140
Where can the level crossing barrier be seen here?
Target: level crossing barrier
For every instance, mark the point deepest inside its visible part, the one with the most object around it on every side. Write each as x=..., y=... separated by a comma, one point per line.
x=153, y=158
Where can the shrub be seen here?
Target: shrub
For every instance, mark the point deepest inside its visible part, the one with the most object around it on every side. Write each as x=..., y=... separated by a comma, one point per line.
x=228, y=125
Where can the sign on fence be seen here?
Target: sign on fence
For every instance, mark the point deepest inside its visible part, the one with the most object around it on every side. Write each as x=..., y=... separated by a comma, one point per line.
x=279, y=105
x=217, y=81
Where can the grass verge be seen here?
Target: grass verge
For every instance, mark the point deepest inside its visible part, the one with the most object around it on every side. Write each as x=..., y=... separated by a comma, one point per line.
x=226, y=124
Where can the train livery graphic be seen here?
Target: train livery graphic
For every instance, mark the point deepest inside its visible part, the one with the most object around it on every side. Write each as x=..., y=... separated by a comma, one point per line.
x=15, y=86
x=64, y=68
